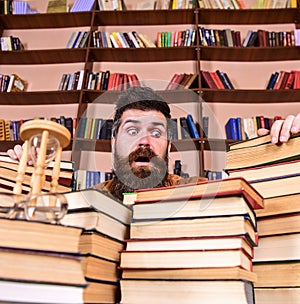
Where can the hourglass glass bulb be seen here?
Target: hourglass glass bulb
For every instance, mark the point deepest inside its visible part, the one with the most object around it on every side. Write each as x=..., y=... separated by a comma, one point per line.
x=51, y=149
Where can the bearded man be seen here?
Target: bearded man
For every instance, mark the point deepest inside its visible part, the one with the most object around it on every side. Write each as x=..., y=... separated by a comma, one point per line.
x=140, y=144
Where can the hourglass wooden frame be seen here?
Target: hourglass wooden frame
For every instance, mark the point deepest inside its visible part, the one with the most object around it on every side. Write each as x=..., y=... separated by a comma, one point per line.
x=46, y=128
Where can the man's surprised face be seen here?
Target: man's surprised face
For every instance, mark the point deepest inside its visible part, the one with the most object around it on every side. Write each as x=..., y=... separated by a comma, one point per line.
x=141, y=146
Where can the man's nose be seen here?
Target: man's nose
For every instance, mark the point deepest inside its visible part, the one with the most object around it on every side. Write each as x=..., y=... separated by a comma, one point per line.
x=144, y=141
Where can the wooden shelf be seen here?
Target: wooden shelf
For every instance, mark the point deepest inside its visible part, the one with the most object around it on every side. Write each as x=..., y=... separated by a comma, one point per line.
x=249, y=16
x=142, y=54
x=39, y=98
x=250, y=96
x=109, y=97
x=145, y=17
x=53, y=56
x=247, y=54
x=38, y=21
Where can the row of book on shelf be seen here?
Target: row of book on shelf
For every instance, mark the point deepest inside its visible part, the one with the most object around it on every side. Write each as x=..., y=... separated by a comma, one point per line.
x=12, y=83
x=101, y=128
x=10, y=129
x=85, y=179
x=23, y=7
x=260, y=38
x=240, y=4
x=9, y=171
x=284, y=80
x=10, y=43
x=239, y=128
x=183, y=127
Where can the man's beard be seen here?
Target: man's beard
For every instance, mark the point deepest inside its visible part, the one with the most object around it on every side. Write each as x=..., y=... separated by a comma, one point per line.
x=129, y=177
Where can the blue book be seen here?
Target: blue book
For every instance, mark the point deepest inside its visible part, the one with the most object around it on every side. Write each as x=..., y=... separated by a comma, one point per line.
x=231, y=129
x=192, y=126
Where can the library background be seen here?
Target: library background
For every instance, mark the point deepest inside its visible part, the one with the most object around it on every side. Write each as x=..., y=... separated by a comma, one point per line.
x=226, y=68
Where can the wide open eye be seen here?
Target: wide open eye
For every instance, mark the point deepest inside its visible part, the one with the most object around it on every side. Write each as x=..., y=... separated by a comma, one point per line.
x=156, y=133
x=132, y=131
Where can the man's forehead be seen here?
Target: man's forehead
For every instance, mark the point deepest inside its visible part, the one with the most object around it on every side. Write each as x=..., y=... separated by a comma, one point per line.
x=143, y=117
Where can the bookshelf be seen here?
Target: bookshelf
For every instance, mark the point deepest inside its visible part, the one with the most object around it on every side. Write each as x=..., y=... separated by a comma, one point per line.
x=53, y=58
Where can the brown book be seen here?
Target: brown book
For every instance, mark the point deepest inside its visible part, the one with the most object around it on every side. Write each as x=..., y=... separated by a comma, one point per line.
x=205, y=227
x=281, y=294
x=280, y=205
x=284, y=247
x=260, y=151
x=279, y=224
x=33, y=235
x=208, y=80
x=97, y=268
x=41, y=266
x=267, y=171
x=222, y=273
x=10, y=176
x=94, y=199
x=100, y=292
x=192, y=82
x=185, y=259
x=100, y=245
x=95, y=220
x=206, y=189
x=277, y=274
x=170, y=291
x=195, y=243
x=194, y=207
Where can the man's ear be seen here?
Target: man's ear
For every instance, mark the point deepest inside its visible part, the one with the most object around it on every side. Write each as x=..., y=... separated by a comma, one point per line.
x=169, y=147
x=112, y=144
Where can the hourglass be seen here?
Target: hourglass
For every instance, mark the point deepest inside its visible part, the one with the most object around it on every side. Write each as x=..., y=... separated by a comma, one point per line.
x=44, y=141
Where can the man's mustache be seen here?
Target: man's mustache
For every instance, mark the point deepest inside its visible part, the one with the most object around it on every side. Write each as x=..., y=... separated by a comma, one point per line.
x=142, y=154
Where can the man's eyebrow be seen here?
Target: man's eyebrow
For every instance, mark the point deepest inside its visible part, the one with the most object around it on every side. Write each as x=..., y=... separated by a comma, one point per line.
x=154, y=123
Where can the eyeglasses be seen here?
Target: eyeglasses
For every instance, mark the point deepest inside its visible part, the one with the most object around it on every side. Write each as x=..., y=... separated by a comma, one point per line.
x=49, y=207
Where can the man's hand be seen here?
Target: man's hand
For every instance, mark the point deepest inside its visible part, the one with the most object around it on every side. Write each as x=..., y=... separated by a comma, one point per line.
x=16, y=153
x=281, y=130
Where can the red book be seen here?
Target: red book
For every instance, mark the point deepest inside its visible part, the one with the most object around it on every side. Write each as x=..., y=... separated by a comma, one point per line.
x=217, y=80
x=208, y=80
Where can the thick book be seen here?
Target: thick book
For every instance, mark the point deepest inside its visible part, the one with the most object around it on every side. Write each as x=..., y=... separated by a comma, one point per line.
x=284, y=247
x=41, y=266
x=277, y=294
x=277, y=186
x=279, y=224
x=194, y=207
x=207, y=189
x=34, y=235
x=100, y=245
x=283, y=204
x=267, y=171
x=96, y=220
x=261, y=151
x=203, y=273
x=38, y=292
x=98, y=268
x=185, y=259
x=10, y=175
x=277, y=274
x=195, y=227
x=94, y=199
x=194, y=243
x=172, y=291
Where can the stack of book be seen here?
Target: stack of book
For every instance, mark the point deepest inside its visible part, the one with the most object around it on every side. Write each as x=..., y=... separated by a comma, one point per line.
x=40, y=263
x=274, y=171
x=9, y=171
x=191, y=242
x=106, y=225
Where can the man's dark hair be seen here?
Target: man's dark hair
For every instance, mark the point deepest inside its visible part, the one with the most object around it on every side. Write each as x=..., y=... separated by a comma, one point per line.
x=139, y=98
